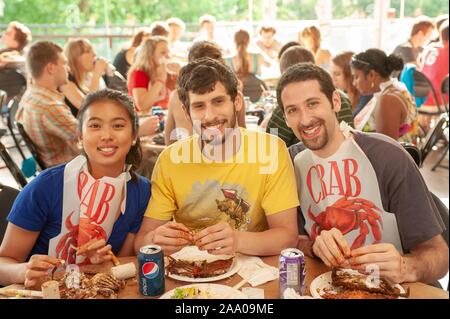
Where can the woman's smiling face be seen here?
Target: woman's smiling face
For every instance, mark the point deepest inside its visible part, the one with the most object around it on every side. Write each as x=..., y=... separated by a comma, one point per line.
x=107, y=137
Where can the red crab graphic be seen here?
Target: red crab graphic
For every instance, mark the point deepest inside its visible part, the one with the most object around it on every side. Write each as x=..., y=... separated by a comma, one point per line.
x=346, y=215
x=76, y=236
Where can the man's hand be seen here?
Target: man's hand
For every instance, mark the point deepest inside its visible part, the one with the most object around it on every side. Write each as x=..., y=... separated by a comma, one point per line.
x=332, y=247
x=385, y=256
x=219, y=239
x=172, y=237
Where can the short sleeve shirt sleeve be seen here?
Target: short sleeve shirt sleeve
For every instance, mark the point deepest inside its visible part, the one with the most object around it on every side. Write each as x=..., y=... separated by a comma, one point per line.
x=144, y=197
x=31, y=208
x=138, y=79
x=162, y=204
x=403, y=191
x=280, y=192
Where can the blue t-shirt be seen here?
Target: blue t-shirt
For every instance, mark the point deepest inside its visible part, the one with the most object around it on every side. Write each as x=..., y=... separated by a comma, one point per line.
x=38, y=208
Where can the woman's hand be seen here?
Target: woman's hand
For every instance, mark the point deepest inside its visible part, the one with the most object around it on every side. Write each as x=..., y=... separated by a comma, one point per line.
x=149, y=126
x=38, y=268
x=161, y=73
x=100, y=66
x=96, y=251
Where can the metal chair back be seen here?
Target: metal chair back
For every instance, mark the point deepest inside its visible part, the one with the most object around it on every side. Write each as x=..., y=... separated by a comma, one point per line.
x=31, y=147
x=12, y=167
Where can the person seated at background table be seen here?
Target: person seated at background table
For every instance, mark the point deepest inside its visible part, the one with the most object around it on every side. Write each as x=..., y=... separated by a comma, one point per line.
x=410, y=50
x=98, y=188
x=244, y=62
x=124, y=58
x=266, y=41
x=14, y=40
x=177, y=48
x=43, y=113
x=438, y=22
x=177, y=124
x=286, y=46
x=159, y=28
x=392, y=110
x=341, y=74
x=214, y=182
x=85, y=73
x=310, y=37
x=294, y=55
x=149, y=80
x=435, y=64
x=207, y=28
x=356, y=211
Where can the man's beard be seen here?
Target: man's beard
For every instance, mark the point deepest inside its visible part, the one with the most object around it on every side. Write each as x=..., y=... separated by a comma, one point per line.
x=318, y=142
x=213, y=139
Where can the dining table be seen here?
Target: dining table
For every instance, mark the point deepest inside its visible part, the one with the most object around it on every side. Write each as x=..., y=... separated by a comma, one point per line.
x=314, y=268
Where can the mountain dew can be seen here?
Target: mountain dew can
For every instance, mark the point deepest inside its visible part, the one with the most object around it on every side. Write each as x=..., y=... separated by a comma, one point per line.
x=151, y=270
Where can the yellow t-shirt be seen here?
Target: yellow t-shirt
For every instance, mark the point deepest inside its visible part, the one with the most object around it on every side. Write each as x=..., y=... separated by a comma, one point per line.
x=256, y=182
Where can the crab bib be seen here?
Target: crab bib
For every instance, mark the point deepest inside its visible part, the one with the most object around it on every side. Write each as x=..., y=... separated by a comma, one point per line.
x=342, y=192
x=90, y=209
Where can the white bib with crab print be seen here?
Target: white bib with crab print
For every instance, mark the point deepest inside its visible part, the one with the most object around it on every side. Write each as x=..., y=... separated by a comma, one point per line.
x=90, y=209
x=342, y=192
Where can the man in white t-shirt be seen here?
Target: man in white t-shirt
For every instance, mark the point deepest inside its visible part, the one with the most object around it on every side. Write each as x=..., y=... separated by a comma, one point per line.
x=363, y=200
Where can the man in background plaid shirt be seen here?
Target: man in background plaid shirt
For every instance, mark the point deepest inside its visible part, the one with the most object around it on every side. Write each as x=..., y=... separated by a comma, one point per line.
x=46, y=119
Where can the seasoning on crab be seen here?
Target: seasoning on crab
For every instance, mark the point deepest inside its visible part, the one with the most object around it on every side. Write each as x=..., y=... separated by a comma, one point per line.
x=198, y=268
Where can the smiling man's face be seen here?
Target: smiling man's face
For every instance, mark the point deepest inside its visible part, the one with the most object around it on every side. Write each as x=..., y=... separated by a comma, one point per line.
x=310, y=114
x=213, y=113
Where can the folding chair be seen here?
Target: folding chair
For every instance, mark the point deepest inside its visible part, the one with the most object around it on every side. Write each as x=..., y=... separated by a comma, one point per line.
x=3, y=104
x=12, y=167
x=433, y=137
x=31, y=147
x=13, y=82
x=13, y=106
x=422, y=88
x=444, y=93
x=7, y=197
x=116, y=82
x=414, y=151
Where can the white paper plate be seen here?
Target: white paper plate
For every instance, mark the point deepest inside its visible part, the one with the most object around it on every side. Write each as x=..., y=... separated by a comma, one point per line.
x=324, y=281
x=192, y=253
x=214, y=291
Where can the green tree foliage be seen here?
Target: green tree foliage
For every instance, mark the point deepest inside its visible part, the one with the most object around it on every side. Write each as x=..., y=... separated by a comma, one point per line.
x=72, y=12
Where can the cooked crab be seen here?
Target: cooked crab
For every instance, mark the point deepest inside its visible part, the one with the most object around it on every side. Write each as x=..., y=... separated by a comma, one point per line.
x=198, y=268
x=363, y=285
x=76, y=285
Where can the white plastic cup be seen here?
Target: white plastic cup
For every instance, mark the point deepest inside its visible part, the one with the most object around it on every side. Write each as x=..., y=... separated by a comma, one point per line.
x=251, y=122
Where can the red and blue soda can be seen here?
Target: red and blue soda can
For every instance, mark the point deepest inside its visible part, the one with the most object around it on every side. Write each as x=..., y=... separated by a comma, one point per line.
x=151, y=270
x=158, y=111
x=292, y=271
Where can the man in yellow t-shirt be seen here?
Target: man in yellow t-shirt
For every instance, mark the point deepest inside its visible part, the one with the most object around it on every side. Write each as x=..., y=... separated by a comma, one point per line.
x=226, y=189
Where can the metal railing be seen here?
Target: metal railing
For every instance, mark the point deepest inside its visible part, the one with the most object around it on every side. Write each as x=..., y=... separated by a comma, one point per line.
x=338, y=35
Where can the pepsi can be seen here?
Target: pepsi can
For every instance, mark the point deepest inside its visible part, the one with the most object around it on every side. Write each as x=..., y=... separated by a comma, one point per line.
x=151, y=270
x=292, y=271
x=158, y=111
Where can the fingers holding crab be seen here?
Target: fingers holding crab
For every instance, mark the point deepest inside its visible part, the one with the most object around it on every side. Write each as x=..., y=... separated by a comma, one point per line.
x=38, y=267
